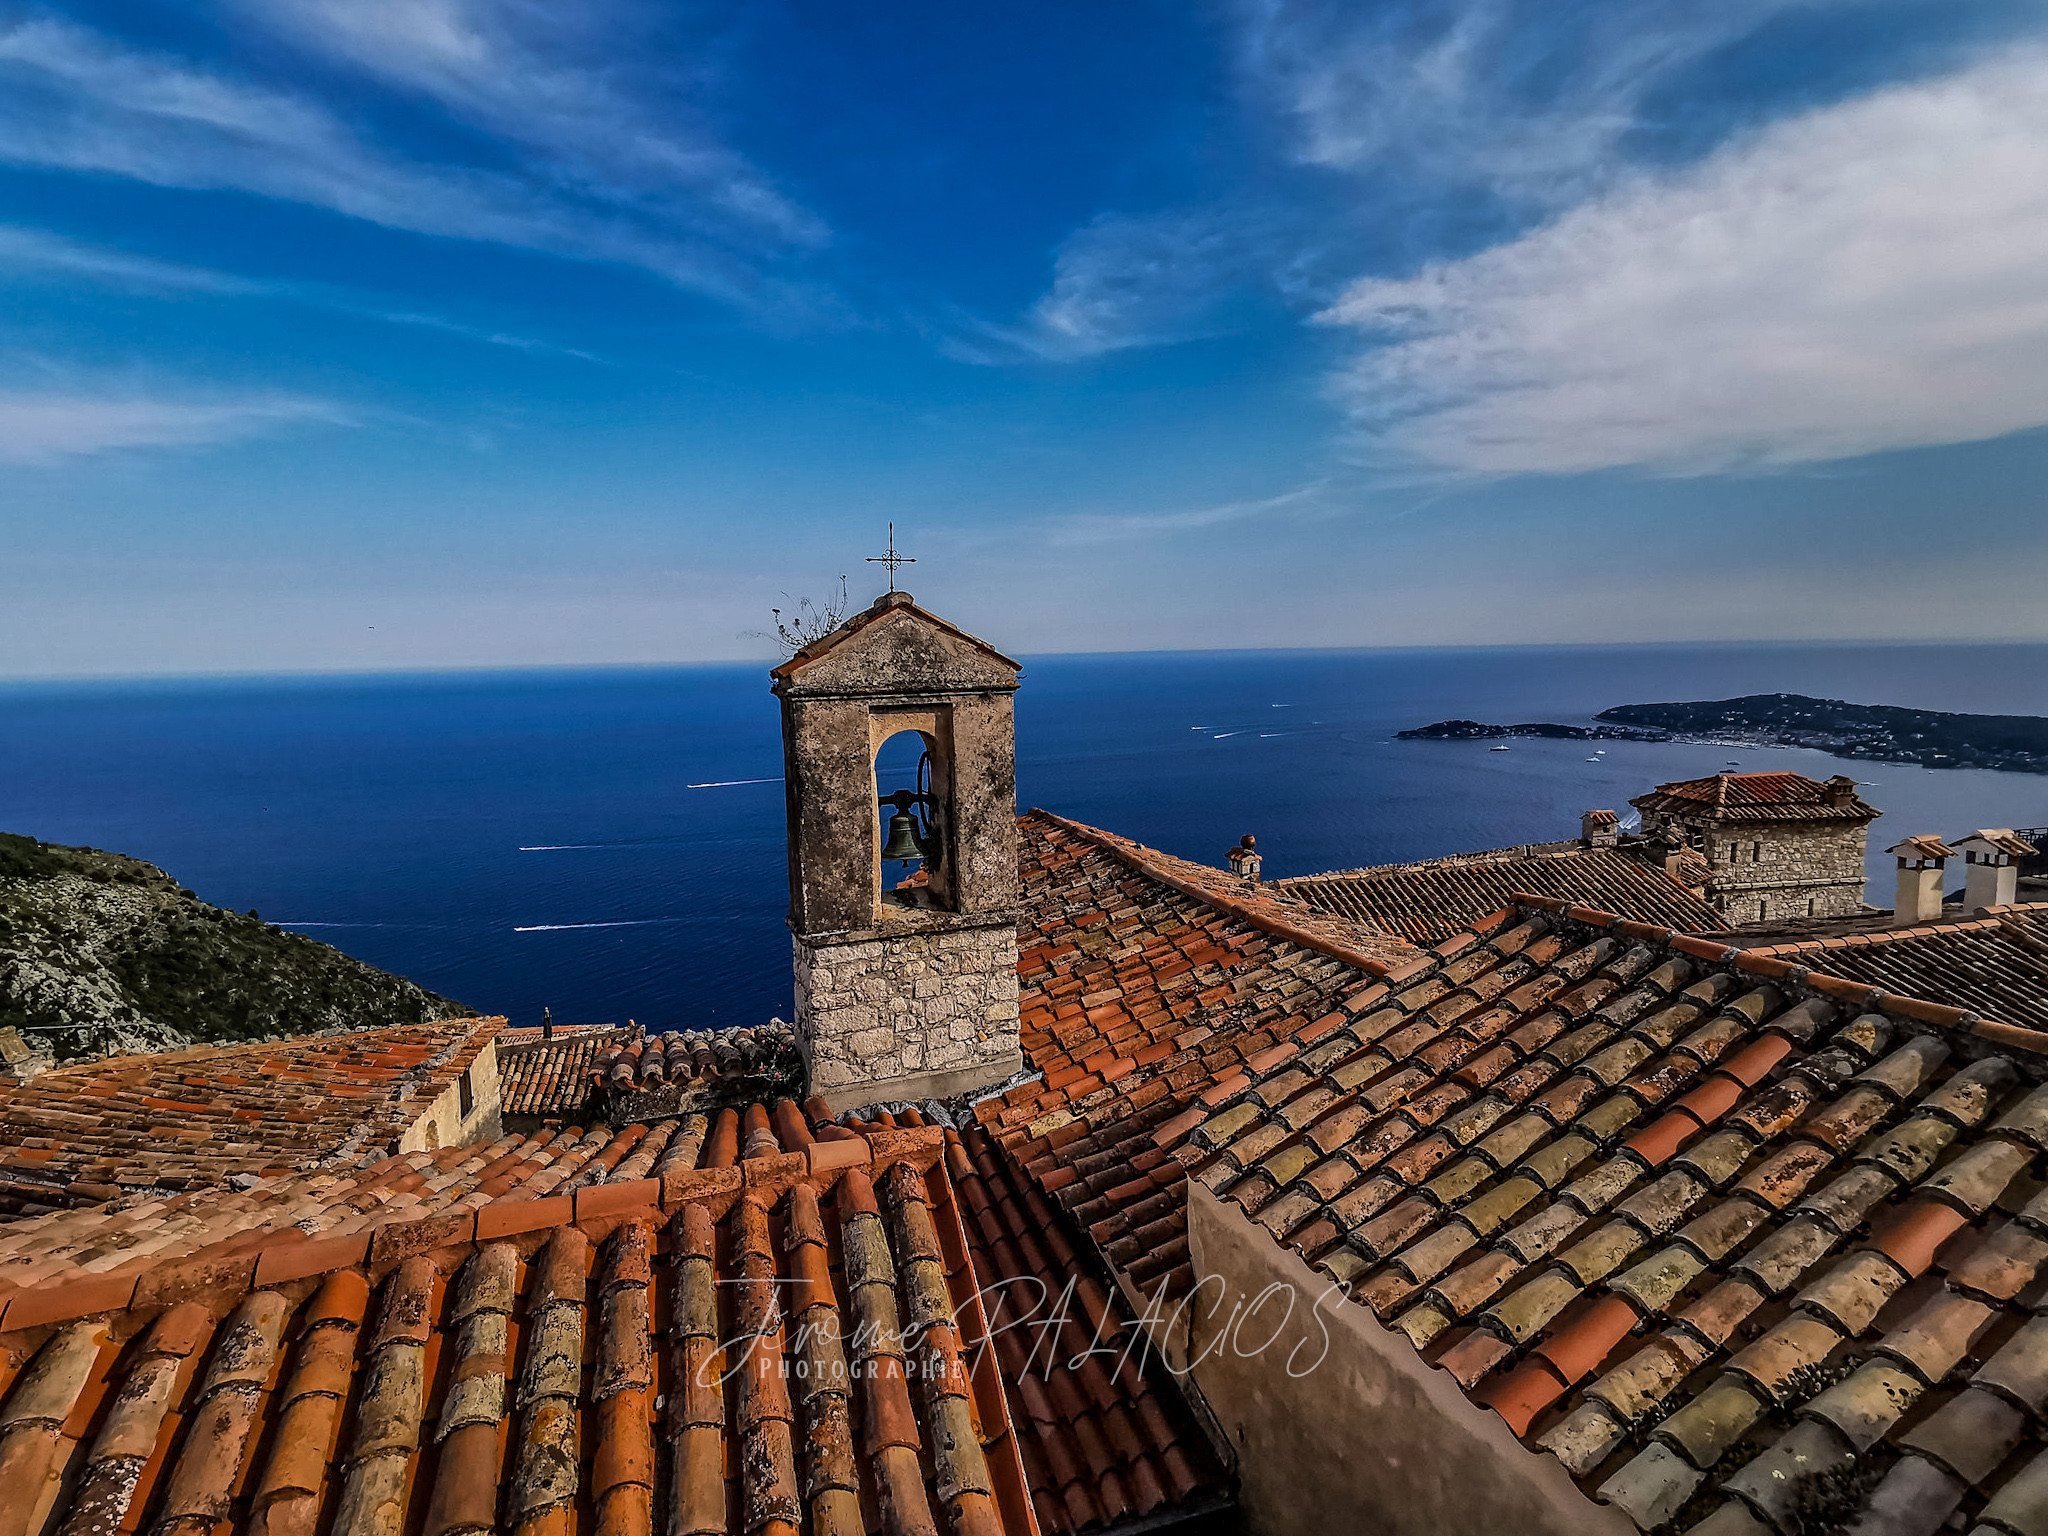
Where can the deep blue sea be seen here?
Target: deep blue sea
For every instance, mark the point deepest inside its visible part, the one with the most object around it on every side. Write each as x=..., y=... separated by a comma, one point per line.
x=609, y=842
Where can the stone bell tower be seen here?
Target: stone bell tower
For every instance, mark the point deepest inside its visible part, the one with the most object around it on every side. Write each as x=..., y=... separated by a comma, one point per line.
x=902, y=994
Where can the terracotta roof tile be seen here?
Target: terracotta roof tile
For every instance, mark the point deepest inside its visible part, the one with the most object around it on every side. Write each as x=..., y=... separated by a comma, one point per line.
x=1996, y=965
x=599, y=1070
x=1757, y=797
x=1429, y=902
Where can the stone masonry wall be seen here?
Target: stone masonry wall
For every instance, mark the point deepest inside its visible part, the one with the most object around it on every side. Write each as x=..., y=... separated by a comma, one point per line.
x=908, y=1016
x=1794, y=873
x=443, y=1124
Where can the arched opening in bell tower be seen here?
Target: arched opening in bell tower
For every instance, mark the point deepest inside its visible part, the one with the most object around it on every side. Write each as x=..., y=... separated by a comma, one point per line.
x=913, y=806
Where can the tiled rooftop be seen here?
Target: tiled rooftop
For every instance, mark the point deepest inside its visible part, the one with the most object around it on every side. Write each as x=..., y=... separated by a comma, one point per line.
x=1757, y=797
x=1136, y=995
x=177, y=1121
x=794, y=1345
x=127, y=1236
x=1996, y=964
x=1430, y=901
x=561, y=1079
x=1105, y=1436
x=794, y=1339
x=550, y=1078
x=686, y=1056
x=1689, y=1218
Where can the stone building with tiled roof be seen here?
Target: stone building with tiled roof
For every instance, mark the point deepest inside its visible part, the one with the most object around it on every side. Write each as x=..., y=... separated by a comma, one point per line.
x=1776, y=845
x=1568, y=1221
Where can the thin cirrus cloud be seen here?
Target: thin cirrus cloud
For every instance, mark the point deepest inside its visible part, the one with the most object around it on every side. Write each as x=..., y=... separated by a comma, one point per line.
x=1865, y=277
x=1123, y=281
x=1524, y=97
x=46, y=427
x=507, y=67
x=1081, y=529
x=28, y=251
x=687, y=209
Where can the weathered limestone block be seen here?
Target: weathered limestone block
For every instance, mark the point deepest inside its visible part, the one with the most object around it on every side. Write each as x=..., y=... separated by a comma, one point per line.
x=908, y=1016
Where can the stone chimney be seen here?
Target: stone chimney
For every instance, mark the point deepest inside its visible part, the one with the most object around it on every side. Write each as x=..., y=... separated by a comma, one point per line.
x=1244, y=859
x=1991, y=856
x=1841, y=790
x=1599, y=829
x=1921, y=863
x=902, y=994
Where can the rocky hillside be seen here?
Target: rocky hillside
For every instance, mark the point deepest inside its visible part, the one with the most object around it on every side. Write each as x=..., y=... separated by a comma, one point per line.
x=100, y=952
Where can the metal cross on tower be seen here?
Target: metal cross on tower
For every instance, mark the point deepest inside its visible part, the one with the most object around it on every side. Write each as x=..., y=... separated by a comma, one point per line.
x=892, y=559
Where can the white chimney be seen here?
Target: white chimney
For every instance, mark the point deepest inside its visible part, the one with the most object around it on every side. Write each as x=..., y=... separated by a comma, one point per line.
x=1921, y=862
x=1992, y=855
x=1244, y=859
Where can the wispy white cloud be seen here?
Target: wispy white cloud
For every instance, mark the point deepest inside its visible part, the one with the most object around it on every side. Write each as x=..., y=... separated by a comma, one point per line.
x=1868, y=276
x=24, y=248
x=1517, y=95
x=27, y=250
x=1092, y=528
x=1123, y=281
x=576, y=169
x=549, y=77
x=38, y=428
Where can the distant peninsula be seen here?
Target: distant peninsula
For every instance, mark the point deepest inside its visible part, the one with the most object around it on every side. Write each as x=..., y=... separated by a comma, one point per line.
x=102, y=953
x=1882, y=733
x=1473, y=730
x=1879, y=732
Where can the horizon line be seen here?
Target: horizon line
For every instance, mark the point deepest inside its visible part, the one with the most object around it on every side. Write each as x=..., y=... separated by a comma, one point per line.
x=429, y=670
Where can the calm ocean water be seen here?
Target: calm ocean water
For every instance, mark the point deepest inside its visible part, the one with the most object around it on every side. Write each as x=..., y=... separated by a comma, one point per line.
x=609, y=842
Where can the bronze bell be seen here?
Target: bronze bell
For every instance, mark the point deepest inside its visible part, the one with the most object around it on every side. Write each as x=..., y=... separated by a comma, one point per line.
x=903, y=842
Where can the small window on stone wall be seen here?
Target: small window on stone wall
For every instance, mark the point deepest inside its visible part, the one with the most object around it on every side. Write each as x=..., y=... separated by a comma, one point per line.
x=465, y=1093
x=1809, y=906
x=1763, y=909
x=1756, y=853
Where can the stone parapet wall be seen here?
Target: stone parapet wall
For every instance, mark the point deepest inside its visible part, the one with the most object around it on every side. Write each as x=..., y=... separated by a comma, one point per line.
x=908, y=1016
x=446, y=1123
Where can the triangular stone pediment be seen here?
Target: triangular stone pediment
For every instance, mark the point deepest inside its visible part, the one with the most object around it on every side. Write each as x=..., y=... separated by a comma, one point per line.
x=891, y=648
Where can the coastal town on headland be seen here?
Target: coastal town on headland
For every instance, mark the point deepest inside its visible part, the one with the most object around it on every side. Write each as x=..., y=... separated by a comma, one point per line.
x=1876, y=732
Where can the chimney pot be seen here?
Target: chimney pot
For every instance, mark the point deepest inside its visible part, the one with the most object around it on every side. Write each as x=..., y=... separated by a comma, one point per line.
x=1244, y=859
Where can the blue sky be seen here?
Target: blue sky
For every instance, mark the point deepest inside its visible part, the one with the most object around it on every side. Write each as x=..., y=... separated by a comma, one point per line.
x=394, y=333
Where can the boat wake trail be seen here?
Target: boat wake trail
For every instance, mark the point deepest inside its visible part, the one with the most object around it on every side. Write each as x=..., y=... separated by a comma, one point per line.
x=637, y=922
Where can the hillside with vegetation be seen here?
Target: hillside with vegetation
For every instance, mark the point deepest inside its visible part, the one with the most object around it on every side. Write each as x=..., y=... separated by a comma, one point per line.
x=99, y=953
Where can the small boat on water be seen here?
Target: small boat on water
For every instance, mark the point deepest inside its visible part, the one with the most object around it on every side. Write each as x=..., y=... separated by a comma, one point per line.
x=1501, y=748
